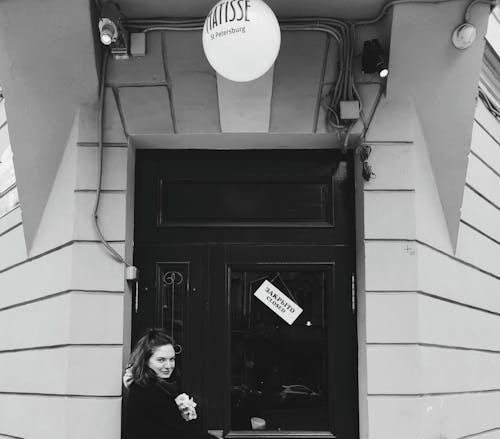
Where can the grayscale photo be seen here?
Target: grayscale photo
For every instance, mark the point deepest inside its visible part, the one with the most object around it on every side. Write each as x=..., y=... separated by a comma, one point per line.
x=250, y=219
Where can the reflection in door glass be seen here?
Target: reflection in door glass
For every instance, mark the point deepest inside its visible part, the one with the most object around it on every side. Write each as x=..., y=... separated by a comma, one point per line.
x=278, y=371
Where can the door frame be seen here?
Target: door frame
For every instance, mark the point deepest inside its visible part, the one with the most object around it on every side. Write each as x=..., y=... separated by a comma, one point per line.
x=352, y=270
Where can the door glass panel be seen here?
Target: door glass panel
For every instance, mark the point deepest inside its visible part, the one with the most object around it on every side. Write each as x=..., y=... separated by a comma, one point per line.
x=278, y=371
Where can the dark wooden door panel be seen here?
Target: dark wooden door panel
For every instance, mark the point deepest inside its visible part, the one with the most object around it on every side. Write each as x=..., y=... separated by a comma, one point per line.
x=258, y=347
x=171, y=296
x=278, y=357
x=251, y=202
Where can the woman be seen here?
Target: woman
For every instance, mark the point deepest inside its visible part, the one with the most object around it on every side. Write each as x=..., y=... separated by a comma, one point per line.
x=151, y=410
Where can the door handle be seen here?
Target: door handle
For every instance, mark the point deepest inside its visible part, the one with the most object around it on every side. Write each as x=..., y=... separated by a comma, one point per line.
x=136, y=298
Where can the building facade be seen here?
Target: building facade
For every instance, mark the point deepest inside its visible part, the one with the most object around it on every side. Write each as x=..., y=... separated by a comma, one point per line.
x=398, y=274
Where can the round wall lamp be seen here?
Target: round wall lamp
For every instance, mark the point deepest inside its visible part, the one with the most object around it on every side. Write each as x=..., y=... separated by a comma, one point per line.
x=112, y=33
x=108, y=31
x=241, y=39
x=463, y=36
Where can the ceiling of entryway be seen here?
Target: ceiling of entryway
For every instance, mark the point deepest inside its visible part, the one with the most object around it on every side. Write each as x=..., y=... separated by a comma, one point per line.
x=49, y=69
x=349, y=9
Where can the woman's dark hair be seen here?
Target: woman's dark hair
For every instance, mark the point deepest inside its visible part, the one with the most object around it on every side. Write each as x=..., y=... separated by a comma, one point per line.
x=142, y=352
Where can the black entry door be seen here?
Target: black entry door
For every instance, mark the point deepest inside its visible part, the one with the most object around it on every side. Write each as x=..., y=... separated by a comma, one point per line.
x=270, y=375
x=212, y=230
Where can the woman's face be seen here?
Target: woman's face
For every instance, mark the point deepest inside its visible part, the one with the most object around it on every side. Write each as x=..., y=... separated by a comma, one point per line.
x=162, y=362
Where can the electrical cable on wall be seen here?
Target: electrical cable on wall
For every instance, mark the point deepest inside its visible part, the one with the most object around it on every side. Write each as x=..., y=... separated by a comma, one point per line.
x=364, y=150
x=100, y=128
x=493, y=3
x=490, y=106
x=389, y=5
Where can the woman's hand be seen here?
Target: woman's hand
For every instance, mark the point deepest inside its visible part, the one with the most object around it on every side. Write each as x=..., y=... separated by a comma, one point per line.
x=128, y=378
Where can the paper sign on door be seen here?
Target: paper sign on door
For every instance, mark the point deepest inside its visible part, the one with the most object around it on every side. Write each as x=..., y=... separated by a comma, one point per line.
x=278, y=302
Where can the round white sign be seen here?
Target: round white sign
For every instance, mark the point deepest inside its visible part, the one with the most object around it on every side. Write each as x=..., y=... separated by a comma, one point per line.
x=241, y=39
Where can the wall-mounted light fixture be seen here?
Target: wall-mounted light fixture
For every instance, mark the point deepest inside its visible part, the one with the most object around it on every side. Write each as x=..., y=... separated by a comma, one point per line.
x=374, y=59
x=463, y=36
x=111, y=31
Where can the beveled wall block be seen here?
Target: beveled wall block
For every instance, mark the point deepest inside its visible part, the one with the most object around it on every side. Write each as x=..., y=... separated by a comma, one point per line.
x=146, y=70
x=297, y=79
x=146, y=110
x=193, y=82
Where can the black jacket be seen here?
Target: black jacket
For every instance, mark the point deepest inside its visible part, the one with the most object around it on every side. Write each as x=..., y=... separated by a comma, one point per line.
x=151, y=413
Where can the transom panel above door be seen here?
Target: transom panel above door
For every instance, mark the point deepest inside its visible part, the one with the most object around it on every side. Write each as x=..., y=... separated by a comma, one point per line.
x=244, y=196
